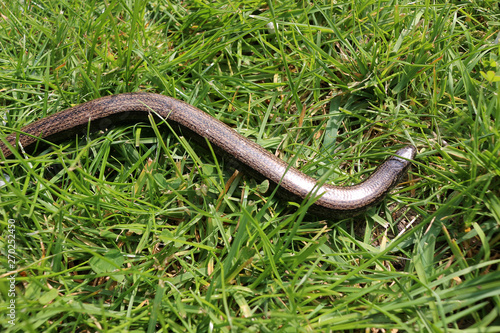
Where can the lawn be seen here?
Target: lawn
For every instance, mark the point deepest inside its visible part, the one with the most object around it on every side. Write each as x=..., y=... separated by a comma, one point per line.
x=138, y=228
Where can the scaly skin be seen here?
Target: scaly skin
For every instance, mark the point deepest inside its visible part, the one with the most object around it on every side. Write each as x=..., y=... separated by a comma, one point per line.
x=335, y=201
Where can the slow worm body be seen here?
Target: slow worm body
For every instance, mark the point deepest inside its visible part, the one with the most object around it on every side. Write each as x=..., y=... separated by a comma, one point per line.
x=333, y=201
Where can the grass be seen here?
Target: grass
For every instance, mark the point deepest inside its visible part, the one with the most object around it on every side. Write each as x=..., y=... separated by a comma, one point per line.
x=136, y=229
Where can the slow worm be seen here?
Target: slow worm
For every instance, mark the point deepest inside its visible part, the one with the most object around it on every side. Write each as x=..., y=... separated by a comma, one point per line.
x=332, y=202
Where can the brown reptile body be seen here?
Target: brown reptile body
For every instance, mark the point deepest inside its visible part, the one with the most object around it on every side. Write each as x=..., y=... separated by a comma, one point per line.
x=334, y=201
